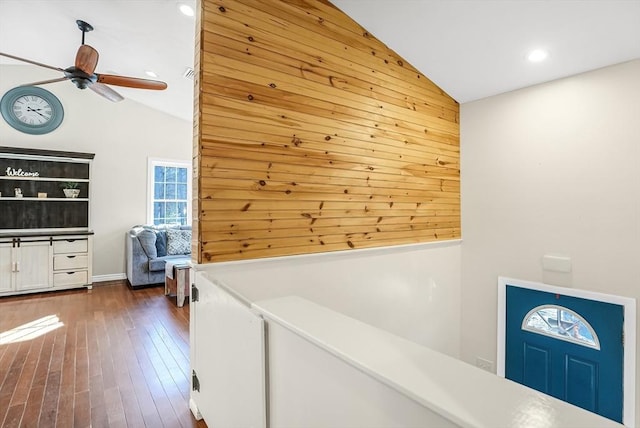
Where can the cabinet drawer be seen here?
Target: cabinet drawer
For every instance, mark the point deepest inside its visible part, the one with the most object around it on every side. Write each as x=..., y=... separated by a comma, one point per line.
x=70, y=261
x=70, y=246
x=61, y=279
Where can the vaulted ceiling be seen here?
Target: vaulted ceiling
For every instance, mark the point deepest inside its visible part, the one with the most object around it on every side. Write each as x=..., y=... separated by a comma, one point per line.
x=471, y=48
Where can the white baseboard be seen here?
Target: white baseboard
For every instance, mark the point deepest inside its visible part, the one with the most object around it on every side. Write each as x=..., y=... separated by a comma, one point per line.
x=194, y=409
x=110, y=277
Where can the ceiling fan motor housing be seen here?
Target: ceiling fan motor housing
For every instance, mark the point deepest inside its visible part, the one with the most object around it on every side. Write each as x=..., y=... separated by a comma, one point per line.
x=81, y=79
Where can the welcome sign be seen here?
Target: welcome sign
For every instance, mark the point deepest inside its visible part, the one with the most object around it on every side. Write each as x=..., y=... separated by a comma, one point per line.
x=12, y=172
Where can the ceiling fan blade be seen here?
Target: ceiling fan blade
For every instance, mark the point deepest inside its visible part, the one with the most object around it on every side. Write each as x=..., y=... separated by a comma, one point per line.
x=44, y=82
x=131, y=82
x=32, y=62
x=87, y=59
x=106, y=92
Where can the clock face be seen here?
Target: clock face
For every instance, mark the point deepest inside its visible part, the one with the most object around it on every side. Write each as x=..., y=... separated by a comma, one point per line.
x=31, y=110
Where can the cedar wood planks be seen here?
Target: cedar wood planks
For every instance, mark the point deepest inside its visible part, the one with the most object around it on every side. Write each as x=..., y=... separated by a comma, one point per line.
x=310, y=135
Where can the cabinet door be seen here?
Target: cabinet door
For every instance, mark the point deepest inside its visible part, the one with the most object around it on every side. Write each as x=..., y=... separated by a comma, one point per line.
x=6, y=267
x=34, y=265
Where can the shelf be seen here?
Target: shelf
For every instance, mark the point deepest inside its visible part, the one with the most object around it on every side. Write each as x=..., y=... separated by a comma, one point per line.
x=11, y=198
x=43, y=174
x=63, y=179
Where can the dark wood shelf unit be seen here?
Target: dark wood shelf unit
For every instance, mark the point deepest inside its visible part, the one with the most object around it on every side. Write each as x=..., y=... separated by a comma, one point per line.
x=43, y=171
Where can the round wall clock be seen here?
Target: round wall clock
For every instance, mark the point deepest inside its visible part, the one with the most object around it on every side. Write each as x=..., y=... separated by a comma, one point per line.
x=31, y=110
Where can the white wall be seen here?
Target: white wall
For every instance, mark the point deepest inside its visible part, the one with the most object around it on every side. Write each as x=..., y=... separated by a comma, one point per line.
x=412, y=291
x=122, y=136
x=551, y=169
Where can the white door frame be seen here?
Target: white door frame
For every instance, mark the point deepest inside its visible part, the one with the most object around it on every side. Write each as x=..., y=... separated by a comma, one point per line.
x=628, y=328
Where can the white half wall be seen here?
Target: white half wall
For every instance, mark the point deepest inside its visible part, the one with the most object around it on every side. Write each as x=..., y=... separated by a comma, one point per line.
x=122, y=136
x=550, y=170
x=412, y=291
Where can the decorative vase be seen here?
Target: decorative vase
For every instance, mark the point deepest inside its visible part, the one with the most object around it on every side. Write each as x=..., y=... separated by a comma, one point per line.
x=71, y=193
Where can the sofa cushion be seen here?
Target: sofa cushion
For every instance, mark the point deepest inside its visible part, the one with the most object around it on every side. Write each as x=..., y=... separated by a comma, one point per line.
x=147, y=240
x=178, y=242
x=161, y=243
x=158, y=263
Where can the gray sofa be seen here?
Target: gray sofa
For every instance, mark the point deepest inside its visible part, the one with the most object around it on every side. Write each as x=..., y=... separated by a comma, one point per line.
x=148, y=250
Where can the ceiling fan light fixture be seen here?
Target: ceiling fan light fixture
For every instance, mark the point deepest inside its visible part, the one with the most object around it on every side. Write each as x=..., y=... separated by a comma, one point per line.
x=537, y=55
x=186, y=9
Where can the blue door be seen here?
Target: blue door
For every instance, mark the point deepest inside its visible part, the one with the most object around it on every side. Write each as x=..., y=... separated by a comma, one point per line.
x=568, y=347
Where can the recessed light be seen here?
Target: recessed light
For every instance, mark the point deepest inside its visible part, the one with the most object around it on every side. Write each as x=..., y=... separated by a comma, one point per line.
x=186, y=9
x=150, y=73
x=537, y=55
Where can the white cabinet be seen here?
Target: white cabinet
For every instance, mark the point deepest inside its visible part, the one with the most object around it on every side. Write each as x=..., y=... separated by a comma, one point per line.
x=6, y=267
x=32, y=266
x=25, y=266
x=46, y=262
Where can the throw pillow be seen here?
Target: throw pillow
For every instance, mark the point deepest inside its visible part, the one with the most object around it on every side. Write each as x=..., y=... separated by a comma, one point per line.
x=147, y=239
x=178, y=242
x=161, y=243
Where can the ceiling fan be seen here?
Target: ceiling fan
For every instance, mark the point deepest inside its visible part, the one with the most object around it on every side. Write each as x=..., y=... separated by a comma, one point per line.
x=83, y=74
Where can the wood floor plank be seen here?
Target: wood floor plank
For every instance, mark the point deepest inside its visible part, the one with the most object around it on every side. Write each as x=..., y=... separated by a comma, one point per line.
x=36, y=394
x=67, y=381
x=154, y=385
x=21, y=392
x=81, y=410
x=142, y=393
x=99, y=417
x=82, y=370
x=93, y=349
x=49, y=410
x=106, y=361
x=34, y=403
x=114, y=407
x=166, y=354
x=64, y=417
x=132, y=412
x=166, y=380
x=118, y=358
x=12, y=377
x=96, y=402
x=14, y=416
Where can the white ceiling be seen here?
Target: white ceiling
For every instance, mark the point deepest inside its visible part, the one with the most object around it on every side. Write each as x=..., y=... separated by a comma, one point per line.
x=477, y=48
x=470, y=48
x=131, y=36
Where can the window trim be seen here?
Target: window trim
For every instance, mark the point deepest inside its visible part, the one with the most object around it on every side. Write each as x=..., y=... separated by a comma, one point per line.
x=151, y=164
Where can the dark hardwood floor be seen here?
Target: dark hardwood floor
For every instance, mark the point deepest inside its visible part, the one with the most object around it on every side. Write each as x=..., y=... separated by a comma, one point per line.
x=113, y=357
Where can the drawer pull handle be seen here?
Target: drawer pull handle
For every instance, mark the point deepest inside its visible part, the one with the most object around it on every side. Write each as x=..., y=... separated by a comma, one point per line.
x=70, y=273
x=71, y=257
x=71, y=240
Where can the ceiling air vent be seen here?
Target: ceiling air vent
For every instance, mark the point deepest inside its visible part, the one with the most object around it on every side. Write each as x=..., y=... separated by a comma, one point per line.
x=188, y=73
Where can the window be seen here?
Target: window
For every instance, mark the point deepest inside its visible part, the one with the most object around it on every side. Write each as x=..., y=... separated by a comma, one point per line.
x=561, y=323
x=169, y=191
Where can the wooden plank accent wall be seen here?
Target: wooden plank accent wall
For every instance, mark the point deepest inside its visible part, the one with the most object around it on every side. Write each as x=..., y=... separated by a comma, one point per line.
x=311, y=136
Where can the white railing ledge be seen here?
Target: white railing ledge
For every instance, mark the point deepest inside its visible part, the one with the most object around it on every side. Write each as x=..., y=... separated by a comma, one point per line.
x=464, y=394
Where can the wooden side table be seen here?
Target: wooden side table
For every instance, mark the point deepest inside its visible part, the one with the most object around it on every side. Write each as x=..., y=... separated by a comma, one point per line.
x=180, y=283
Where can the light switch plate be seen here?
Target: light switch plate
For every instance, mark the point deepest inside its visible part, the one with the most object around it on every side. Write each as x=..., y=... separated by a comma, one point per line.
x=556, y=263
